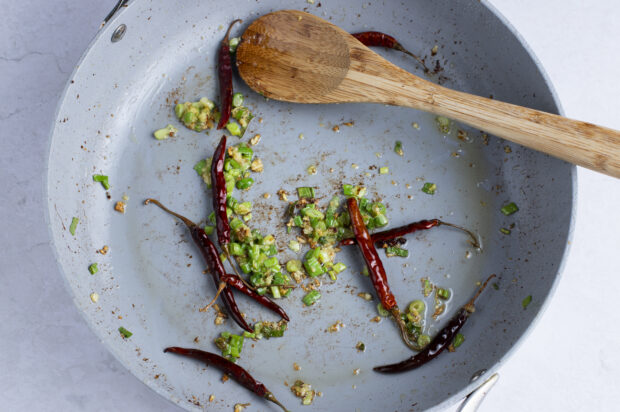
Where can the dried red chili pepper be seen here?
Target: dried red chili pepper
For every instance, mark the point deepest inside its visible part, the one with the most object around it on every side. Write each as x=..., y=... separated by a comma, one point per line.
x=220, y=195
x=238, y=283
x=225, y=74
x=397, y=232
x=218, y=183
x=235, y=371
x=376, y=269
x=378, y=39
x=216, y=268
x=441, y=342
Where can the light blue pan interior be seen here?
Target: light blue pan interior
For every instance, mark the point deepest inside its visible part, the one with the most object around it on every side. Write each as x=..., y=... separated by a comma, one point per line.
x=151, y=281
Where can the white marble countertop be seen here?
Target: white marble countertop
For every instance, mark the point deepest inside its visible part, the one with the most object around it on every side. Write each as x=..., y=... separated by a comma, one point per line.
x=49, y=358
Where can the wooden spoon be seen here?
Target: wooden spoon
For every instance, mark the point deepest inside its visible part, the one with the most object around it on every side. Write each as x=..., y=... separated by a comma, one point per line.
x=297, y=57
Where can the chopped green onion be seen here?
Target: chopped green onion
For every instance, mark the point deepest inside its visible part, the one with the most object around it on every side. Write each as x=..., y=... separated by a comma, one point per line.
x=381, y=310
x=417, y=306
x=443, y=123
x=189, y=118
x=428, y=287
x=245, y=183
x=384, y=170
x=354, y=191
x=203, y=169
x=495, y=286
x=365, y=271
x=458, y=340
x=344, y=220
x=423, y=340
x=200, y=167
x=179, y=109
x=378, y=208
x=212, y=217
x=73, y=226
x=275, y=292
x=206, y=103
x=526, y=301
x=103, y=179
x=380, y=221
x=323, y=256
x=235, y=224
x=93, y=268
x=246, y=267
x=429, y=188
x=294, y=245
x=209, y=230
x=237, y=100
x=313, y=253
x=509, y=209
x=412, y=317
x=236, y=249
x=165, y=133
x=124, y=333
x=312, y=212
x=311, y=297
x=245, y=151
x=505, y=231
x=230, y=164
x=243, y=116
x=233, y=128
x=339, y=267
x=396, y=251
x=347, y=190
x=443, y=293
x=305, y=192
x=271, y=262
x=293, y=265
x=230, y=345
x=270, y=329
x=243, y=208
x=298, y=221
x=233, y=43
x=398, y=148
x=313, y=267
x=231, y=202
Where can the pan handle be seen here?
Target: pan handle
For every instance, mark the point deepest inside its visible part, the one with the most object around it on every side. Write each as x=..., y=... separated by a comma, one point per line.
x=474, y=399
x=119, y=4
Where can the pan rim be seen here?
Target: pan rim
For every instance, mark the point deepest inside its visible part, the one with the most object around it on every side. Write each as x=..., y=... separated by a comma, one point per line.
x=450, y=401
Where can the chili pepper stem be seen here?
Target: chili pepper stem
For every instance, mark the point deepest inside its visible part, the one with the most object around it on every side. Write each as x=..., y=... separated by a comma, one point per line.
x=403, y=330
x=230, y=27
x=475, y=242
x=469, y=306
x=185, y=220
x=233, y=264
x=220, y=289
x=401, y=49
x=269, y=396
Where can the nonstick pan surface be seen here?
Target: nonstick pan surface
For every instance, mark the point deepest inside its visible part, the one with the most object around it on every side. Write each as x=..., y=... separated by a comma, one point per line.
x=151, y=281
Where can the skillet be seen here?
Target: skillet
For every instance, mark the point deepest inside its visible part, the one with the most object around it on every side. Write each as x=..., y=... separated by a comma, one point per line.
x=122, y=90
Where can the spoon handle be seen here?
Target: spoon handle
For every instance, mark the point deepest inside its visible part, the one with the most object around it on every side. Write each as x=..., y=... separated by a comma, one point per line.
x=581, y=143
